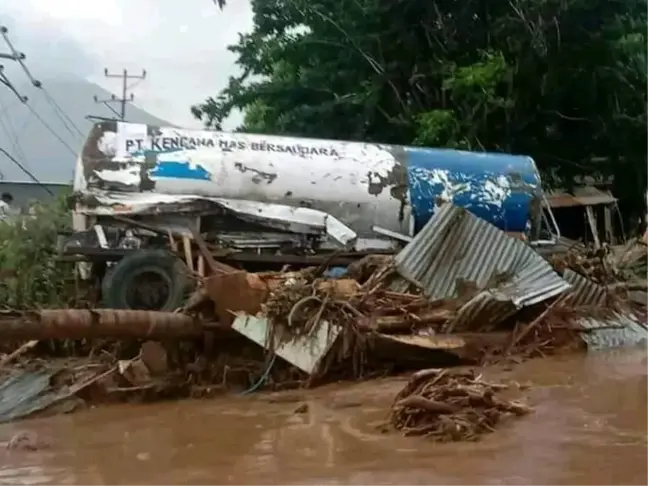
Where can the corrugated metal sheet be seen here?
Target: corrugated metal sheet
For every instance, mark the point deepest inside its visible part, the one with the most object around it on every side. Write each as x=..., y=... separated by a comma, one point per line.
x=23, y=393
x=620, y=329
x=457, y=246
x=630, y=331
x=584, y=291
x=484, y=310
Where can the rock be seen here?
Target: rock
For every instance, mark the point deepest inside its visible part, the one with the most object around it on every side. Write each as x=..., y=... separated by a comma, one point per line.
x=303, y=408
x=25, y=441
x=154, y=356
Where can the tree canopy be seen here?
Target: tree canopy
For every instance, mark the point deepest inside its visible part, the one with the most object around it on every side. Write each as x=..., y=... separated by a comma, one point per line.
x=561, y=80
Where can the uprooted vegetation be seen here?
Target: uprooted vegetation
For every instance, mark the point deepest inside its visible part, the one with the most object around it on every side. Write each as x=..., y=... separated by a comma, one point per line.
x=383, y=331
x=451, y=405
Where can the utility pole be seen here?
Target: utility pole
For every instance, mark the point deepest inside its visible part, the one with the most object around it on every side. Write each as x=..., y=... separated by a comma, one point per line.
x=18, y=57
x=125, y=97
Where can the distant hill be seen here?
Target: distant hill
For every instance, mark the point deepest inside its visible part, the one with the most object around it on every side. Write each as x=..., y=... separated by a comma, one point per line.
x=46, y=157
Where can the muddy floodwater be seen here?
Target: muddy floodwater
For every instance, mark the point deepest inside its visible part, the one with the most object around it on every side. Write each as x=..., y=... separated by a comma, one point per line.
x=589, y=427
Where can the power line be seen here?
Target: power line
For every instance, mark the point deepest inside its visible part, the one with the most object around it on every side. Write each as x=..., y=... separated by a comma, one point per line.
x=125, y=98
x=7, y=107
x=13, y=135
x=49, y=128
x=20, y=57
x=5, y=81
x=26, y=171
x=15, y=55
x=65, y=119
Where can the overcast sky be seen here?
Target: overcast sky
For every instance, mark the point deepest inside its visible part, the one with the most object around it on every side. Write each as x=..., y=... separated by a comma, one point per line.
x=180, y=43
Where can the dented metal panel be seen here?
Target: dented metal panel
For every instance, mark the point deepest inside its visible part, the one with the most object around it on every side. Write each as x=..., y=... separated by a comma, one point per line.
x=362, y=185
x=276, y=216
x=304, y=352
x=456, y=246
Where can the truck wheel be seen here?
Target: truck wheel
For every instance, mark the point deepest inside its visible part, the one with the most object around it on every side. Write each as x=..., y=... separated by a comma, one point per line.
x=146, y=280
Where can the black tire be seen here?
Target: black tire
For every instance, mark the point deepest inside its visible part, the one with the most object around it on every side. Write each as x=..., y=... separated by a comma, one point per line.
x=123, y=284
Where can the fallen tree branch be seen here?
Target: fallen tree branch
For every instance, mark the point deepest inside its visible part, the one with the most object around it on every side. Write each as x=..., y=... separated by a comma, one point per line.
x=21, y=350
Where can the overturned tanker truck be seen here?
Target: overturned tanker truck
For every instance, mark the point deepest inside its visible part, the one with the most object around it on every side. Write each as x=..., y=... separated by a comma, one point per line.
x=144, y=196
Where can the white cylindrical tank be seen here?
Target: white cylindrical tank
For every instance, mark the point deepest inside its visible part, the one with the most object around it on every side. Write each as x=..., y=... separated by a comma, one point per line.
x=363, y=185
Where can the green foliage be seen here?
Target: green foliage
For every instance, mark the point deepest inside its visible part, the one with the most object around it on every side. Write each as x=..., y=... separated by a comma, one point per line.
x=473, y=91
x=438, y=128
x=31, y=278
x=561, y=80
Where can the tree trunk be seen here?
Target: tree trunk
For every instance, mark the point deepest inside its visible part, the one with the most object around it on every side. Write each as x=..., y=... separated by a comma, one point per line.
x=96, y=323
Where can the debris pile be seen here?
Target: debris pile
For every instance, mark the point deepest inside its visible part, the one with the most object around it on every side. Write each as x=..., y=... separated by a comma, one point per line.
x=461, y=292
x=607, y=301
x=300, y=303
x=632, y=259
x=606, y=265
x=461, y=287
x=451, y=405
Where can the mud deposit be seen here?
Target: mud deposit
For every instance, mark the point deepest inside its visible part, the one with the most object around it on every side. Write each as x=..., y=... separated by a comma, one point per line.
x=588, y=427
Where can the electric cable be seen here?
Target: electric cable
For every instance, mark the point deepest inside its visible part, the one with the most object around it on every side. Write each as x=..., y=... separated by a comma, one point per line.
x=49, y=128
x=13, y=135
x=63, y=116
x=26, y=171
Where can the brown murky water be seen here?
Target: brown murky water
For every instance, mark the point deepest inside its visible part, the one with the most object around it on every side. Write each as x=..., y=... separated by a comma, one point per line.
x=589, y=427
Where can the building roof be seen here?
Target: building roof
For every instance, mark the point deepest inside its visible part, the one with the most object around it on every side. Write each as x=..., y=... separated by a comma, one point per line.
x=582, y=196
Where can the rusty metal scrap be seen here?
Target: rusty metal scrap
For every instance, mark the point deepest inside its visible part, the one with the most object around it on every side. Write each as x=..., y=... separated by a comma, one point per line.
x=96, y=323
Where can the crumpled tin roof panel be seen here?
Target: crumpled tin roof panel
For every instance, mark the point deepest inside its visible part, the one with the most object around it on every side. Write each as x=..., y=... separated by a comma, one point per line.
x=620, y=329
x=584, y=291
x=456, y=245
x=484, y=311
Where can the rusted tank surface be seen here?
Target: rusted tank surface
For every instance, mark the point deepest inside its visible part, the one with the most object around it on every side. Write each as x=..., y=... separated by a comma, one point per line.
x=134, y=168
